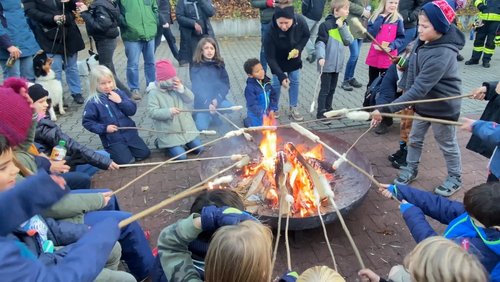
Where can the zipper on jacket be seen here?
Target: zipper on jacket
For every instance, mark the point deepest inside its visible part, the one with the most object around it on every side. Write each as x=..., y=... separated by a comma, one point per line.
x=109, y=111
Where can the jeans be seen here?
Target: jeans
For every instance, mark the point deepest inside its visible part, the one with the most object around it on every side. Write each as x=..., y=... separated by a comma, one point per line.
x=167, y=33
x=445, y=136
x=177, y=150
x=76, y=180
x=325, y=97
x=264, y=29
x=204, y=119
x=126, y=153
x=23, y=67
x=71, y=70
x=106, y=48
x=350, y=67
x=88, y=169
x=410, y=35
x=313, y=30
x=293, y=91
x=133, y=50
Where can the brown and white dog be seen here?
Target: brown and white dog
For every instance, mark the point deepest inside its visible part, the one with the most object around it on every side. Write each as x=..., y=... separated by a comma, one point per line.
x=46, y=77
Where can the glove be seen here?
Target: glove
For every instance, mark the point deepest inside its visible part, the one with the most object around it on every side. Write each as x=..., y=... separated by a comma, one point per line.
x=404, y=206
x=481, y=7
x=270, y=3
x=213, y=217
x=291, y=276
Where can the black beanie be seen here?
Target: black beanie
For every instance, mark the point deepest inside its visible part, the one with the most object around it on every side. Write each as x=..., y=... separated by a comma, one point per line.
x=37, y=92
x=286, y=12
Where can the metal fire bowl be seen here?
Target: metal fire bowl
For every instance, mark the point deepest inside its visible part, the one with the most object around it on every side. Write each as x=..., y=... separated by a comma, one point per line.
x=350, y=188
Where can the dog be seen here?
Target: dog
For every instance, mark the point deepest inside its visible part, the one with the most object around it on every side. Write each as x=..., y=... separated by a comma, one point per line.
x=46, y=77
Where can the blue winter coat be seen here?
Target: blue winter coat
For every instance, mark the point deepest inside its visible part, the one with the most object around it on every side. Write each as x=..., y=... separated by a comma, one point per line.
x=15, y=31
x=261, y=98
x=209, y=81
x=489, y=132
x=484, y=240
x=97, y=115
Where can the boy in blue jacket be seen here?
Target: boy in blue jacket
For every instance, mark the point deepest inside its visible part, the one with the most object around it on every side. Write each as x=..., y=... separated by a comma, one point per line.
x=475, y=224
x=259, y=95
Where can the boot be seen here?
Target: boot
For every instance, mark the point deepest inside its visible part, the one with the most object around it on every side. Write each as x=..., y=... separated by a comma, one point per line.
x=397, y=155
x=401, y=161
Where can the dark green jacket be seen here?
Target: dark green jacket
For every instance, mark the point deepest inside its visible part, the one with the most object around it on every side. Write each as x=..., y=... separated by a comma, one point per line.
x=356, y=9
x=266, y=13
x=139, y=19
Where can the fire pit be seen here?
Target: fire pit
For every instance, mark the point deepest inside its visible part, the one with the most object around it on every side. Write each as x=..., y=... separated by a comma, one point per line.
x=301, y=161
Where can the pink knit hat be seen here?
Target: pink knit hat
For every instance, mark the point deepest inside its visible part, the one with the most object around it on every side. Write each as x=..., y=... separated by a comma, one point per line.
x=15, y=116
x=165, y=70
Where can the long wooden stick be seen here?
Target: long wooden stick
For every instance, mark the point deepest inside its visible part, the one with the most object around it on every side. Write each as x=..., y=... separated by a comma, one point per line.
x=175, y=162
x=233, y=108
x=356, y=22
x=435, y=120
x=227, y=119
x=357, y=140
x=316, y=85
x=208, y=132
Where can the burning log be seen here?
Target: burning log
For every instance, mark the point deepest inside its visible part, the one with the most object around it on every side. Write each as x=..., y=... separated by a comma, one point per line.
x=280, y=179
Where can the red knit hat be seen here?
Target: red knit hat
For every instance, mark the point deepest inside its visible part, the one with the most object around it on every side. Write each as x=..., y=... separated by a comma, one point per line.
x=165, y=70
x=15, y=116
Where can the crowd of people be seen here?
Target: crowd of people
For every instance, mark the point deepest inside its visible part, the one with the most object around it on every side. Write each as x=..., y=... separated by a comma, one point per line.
x=54, y=228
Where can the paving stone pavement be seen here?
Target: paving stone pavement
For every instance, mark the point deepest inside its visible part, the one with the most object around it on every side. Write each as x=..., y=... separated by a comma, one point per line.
x=377, y=226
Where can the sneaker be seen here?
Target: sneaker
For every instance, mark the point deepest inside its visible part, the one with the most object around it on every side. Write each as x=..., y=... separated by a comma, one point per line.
x=381, y=129
x=354, y=83
x=471, y=62
x=295, y=115
x=136, y=95
x=449, y=187
x=406, y=176
x=326, y=121
x=402, y=146
x=78, y=98
x=401, y=160
x=486, y=65
x=346, y=86
x=460, y=57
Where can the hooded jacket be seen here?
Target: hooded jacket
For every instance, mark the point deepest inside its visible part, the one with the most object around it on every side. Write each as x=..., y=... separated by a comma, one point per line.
x=266, y=13
x=409, y=9
x=278, y=44
x=102, y=19
x=331, y=44
x=139, y=19
x=433, y=73
x=356, y=9
x=490, y=113
x=209, y=80
x=48, y=135
x=489, y=133
x=260, y=98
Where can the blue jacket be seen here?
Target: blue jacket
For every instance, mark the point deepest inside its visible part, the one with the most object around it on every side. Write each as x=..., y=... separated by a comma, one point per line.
x=209, y=81
x=14, y=30
x=485, y=241
x=489, y=132
x=261, y=98
x=388, y=86
x=97, y=115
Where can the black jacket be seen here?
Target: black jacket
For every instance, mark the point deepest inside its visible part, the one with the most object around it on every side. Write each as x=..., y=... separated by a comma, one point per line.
x=491, y=113
x=48, y=135
x=102, y=19
x=278, y=44
x=313, y=9
x=164, y=12
x=189, y=12
x=409, y=10
x=41, y=15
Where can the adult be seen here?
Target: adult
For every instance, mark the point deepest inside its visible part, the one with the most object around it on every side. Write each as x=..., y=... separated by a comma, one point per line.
x=489, y=14
x=312, y=10
x=164, y=27
x=55, y=29
x=102, y=19
x=360, y=10
x=409, y=10
x=17, y=41
x=194, y=23
x=138, y=29
x=283, y=46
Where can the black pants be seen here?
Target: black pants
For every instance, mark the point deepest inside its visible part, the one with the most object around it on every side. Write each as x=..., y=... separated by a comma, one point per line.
x=373, y=73
x=106, y=48
x=126, y=153
x=167, y=33
x=485, y=41
x=325, y=97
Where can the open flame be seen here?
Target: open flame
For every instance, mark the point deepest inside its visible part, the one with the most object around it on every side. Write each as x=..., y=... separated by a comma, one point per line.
x=299, y=183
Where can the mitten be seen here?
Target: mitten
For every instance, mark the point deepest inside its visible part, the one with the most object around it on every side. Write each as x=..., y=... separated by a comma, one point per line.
x=404, y=206
x=291, y=276
x=213, y=217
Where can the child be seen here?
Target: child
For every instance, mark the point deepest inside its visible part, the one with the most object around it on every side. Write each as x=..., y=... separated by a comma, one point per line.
x=210, y=82
x=166, y=99
x=386, y=25
x=260, y=96
x=232, y=254
x=434, y=259
x=433, y=73
x=108, y=108
x=483, y=141
x=474, y=224
x=333, y=36
x=48, y=134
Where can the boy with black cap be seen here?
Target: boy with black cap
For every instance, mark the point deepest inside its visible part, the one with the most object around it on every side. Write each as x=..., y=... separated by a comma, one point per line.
x=433, y=73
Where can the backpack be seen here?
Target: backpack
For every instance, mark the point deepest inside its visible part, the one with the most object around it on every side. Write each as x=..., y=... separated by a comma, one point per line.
x=373, y=91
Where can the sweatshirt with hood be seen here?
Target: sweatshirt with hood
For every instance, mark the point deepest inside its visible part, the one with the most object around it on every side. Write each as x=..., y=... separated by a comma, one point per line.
x=433, y=73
